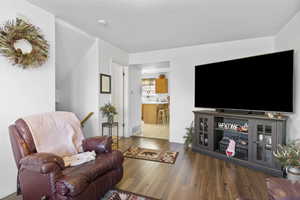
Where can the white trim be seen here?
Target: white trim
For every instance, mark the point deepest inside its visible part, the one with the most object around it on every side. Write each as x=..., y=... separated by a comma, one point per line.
x=125, y=96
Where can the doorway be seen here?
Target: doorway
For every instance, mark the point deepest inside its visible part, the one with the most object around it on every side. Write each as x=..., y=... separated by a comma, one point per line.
x=153, y=100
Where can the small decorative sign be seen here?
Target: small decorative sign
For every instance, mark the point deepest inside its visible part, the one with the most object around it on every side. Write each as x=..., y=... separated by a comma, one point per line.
x=233, y=126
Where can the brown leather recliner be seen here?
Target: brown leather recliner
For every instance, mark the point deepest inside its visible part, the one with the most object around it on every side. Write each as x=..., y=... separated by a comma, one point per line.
x=44, y=176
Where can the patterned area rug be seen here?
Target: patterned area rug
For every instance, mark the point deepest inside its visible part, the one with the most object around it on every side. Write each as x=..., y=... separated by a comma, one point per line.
x=123, y=195
x=115, y=141
x=151, y=154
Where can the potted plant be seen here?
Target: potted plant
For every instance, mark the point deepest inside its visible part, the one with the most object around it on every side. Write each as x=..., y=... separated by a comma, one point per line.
x=188, y=138
x=109, y=111
x=289, y=157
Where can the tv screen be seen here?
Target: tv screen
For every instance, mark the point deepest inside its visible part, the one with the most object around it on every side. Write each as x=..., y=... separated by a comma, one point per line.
x=260, y=83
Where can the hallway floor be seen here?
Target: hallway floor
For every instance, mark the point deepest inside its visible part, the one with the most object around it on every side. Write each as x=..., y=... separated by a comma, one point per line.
x=158, y=131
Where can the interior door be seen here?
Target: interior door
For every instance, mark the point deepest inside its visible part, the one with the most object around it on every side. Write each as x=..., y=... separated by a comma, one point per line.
x=117, y=96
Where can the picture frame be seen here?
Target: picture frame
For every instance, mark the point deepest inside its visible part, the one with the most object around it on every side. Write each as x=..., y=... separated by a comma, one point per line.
x=105, y=84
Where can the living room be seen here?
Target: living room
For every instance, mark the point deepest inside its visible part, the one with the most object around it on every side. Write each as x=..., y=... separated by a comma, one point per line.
x=85, y=39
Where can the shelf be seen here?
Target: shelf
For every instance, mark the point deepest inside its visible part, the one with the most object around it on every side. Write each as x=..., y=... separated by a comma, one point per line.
x=264, y=133
x=203, y=132
x=240, y=116
x=231, y=130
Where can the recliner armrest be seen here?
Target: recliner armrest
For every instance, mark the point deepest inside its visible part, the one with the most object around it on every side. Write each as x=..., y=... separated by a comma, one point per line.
x=42, y=162
x=98, y=144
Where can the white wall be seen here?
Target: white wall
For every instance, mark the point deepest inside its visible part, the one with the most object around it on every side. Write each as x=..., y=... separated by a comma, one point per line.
x=289, y=38
x=77, y=74
x=23, y=92
x=152, y=74
x=72, y=45
x=182, y=63
x=107, y=55
x=80, y=60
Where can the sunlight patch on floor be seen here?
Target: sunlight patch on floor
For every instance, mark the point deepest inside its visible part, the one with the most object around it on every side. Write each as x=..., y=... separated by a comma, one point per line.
x=160, y=131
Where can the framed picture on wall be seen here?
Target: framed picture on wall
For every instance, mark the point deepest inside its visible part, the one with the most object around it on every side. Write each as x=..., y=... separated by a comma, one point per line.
x=105, y=84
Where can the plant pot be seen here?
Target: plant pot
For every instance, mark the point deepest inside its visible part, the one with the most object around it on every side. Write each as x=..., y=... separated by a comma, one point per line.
x=293, y=173
x=188, y=147
x=110, y=119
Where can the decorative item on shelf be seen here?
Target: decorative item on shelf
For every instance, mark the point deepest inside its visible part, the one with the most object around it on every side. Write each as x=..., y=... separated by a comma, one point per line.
x=243, y=128
x=201, y=124
x=279, y=116
x=270, y=115
x=289, y=157
x=230, y=151
x=240, y=150
x=205, y=141
x=109, y=111
x=188, y=138
x=233, y=126
x=243, y=142
x=23, y=44
x=202, y=139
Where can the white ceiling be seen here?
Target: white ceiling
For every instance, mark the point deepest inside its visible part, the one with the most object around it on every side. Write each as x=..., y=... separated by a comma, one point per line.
x=143, y=25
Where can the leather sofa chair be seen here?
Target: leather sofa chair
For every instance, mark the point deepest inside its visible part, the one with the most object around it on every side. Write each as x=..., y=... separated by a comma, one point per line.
x=44, y=176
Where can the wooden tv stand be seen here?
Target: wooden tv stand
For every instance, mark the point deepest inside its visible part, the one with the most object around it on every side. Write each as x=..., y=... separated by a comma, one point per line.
x=256, y=136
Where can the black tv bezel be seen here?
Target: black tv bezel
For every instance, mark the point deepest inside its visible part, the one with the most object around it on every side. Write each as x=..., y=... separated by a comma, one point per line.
x=251, y=110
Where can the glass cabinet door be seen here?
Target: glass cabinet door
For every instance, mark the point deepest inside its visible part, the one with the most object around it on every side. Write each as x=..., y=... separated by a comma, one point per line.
x=203, y=131
x=264, y=140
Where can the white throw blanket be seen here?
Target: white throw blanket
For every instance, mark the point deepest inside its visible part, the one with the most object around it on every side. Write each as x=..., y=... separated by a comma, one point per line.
x=57, y=132
x=79, y=159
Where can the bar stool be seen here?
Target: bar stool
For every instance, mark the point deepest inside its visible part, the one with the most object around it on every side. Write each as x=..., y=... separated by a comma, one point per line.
x=167, y=115
x=162, y=116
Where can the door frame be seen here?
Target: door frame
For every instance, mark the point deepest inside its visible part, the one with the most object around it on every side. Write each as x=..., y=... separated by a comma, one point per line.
x=125, y=123
x=170, y=83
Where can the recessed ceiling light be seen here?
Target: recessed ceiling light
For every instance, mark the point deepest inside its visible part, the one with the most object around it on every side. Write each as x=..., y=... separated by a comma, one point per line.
x=102, y=21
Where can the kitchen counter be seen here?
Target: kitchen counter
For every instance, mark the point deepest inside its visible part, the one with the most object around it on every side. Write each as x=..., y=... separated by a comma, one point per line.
x=154, y=102
x=150, y=111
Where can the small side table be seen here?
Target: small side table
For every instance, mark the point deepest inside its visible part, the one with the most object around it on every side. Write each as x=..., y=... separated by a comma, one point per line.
x=110, y=127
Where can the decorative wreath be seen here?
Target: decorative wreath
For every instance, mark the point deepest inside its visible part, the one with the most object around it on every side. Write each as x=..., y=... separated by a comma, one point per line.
x=23, y=44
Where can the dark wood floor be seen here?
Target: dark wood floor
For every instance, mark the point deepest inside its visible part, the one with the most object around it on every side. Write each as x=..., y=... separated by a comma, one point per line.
x=192, y=177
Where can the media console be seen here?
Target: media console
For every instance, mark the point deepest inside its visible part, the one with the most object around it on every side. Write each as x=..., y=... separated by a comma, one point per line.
x=256, y=137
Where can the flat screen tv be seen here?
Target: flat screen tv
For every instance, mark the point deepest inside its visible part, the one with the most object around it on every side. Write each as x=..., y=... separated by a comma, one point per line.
x=259, y=83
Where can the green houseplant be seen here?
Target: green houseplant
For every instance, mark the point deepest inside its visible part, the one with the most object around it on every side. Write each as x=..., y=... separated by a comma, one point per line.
x=188, y=138
x=109, y=111
x=289, y=157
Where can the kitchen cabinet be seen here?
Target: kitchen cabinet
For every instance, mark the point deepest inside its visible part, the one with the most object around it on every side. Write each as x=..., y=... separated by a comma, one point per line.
x=150, y=112
x=161, y=85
